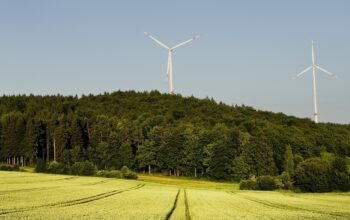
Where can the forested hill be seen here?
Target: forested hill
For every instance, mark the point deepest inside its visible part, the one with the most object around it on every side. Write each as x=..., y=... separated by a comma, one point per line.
x=167, y=133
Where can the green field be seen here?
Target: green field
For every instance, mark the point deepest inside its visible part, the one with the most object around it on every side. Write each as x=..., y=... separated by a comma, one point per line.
x=46, y=196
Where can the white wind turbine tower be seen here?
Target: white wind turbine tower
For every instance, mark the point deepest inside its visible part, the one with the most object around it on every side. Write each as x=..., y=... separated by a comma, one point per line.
x=170, y=57
x=313, y=67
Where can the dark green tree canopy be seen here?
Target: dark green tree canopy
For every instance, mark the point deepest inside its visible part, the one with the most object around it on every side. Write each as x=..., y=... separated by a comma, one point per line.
x=166, y=133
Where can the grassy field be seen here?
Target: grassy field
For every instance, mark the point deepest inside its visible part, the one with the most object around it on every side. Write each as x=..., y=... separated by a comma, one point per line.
x=46, y=196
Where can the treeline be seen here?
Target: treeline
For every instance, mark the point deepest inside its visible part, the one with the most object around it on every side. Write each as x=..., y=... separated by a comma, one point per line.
x=153, y=132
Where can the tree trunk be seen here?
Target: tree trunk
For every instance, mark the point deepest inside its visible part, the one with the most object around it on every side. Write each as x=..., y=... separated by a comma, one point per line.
x=54, y=150
x=195, y=172
x=149, y=169
x=47, y=147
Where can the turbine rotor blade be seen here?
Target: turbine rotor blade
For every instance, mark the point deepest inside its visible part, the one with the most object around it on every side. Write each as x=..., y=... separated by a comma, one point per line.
x=156, y=40
x=185, y=42
x=302, y=72
x=326, y=71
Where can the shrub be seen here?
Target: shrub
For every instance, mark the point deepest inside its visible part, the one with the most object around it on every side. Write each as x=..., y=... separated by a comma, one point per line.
x=131, y=175
x=278, y=183
x=16, y=167
x=40, y=166
x=75, y=168
x=6, y=167
x=124, y=170
x=110, y=174
x=286, y=180
x=88, y=169
x=101, y=173
x=313, y=175
x=83, y=168
x=266, y=182
x=250, y=184
x=128, y=174
x=115, y=174
x=55, y=167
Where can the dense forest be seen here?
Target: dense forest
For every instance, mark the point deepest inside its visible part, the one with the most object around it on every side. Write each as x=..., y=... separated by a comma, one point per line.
x=154, y=132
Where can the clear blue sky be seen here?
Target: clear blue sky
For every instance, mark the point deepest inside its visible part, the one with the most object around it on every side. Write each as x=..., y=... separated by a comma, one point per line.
x=248, y=52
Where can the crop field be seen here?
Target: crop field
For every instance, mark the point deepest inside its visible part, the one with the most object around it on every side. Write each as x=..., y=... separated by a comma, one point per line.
x=46, y=196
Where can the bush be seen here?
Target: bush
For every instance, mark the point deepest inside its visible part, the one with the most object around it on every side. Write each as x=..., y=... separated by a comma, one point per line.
x=75, y=168
x=110, y=174
x=40, y=166
x=250, y=184
x=16, y=167
x=101, y=173
x=8, y=167
x=124, y=170
x=286, y=180
x=131, y=175
x=115, y=174
x=128, y=174
x=278, y=183
x=55, y=167
x=266, y=182
x=313, y=175
x=83, y=168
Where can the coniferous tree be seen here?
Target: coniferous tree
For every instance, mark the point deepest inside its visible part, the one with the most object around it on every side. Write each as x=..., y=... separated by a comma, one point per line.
x=168, y=132
x=288, y=161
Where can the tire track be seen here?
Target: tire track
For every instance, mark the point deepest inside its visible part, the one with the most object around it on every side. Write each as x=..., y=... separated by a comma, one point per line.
x=73, y=202
x=96, y=197
x=95, y=183
x=50, y=180
x=168, y=215
x=188, y=215
x=288, y=207
x=26, y=190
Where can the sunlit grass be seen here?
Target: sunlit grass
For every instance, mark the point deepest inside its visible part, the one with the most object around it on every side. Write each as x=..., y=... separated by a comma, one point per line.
x=46, y=196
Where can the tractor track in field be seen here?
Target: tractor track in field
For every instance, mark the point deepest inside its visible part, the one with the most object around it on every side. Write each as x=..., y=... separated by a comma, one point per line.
x=168, y=215
x=51, y=180
x=26, y=190
x=288, y=207
x=95, y=183
x=75, y=201
x=187, y=208
x=96, y=197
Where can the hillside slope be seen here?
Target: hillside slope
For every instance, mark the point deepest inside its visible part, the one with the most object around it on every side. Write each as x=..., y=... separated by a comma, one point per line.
x=167, y=133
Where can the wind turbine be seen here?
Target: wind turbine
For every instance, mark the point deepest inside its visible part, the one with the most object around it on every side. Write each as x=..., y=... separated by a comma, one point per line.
x=170, y=57
x=313, y=67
